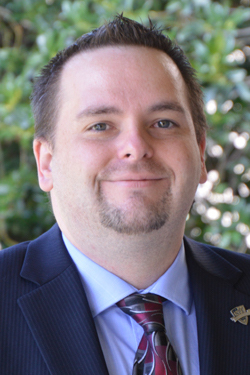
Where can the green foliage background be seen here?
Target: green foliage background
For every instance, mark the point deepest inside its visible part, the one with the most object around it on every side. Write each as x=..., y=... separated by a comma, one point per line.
x=216, y=38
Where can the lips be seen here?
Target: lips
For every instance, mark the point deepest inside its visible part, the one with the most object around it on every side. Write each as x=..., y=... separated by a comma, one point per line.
x=135, y=182
x=137, y=177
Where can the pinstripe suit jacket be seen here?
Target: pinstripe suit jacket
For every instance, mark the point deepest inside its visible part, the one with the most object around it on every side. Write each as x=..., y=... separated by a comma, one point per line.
x=46, y=327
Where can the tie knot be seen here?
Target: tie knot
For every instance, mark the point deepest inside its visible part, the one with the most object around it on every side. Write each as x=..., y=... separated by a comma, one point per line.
x=146, y=310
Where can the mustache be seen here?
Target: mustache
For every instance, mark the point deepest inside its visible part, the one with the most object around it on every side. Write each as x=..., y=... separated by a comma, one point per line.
x=143, y=166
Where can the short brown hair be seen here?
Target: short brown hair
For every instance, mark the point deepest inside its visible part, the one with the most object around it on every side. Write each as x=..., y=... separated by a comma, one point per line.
x=120, y=31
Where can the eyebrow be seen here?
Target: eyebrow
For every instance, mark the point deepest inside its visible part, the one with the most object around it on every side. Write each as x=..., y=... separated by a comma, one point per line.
x=166, y=106
x=102, y=110
x=98, y=110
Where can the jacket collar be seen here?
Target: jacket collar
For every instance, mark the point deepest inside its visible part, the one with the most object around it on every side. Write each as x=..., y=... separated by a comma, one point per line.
x=218, y=286
x=59, y=318
x=57, y=311
x=212, y=261
x=46, y=257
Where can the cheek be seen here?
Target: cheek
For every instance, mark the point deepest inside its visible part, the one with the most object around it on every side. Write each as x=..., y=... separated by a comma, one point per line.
x=186, y=162
x=90, y=159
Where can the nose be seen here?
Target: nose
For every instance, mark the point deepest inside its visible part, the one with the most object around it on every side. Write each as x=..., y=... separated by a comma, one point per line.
x=135, y=145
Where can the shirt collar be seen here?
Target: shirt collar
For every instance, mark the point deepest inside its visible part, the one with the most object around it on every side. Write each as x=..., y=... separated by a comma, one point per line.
x=104, y=289
x=174, y=284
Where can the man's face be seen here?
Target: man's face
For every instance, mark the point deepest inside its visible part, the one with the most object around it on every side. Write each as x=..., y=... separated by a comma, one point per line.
x=125, y=155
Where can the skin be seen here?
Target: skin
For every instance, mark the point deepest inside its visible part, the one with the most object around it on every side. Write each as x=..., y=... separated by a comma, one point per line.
x=125, y=163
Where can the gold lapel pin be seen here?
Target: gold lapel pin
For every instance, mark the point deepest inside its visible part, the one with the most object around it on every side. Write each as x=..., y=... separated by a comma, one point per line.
x=240, y=314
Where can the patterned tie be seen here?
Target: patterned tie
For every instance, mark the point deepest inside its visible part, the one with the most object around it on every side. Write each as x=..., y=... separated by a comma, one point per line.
x=155, y=355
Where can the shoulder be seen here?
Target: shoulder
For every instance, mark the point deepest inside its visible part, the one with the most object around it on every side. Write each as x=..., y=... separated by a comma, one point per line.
x=12, y=258
x=220, y=262
x=225, y=264
x=16, y=254
x=29, y=255
x=12, y=286
x=231, y=256
x=227, y=254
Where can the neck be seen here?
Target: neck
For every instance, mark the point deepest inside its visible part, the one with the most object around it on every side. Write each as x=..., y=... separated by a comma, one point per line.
x=138, y=259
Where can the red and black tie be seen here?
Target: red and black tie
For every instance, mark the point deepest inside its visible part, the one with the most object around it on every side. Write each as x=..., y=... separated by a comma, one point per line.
x=155, y=355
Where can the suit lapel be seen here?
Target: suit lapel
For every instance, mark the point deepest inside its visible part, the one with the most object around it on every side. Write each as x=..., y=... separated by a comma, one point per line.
x=58, y=315
x=217, y=288
x=57, y=310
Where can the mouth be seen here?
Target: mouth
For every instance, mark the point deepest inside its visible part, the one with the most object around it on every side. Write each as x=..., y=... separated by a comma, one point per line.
x=135, y=182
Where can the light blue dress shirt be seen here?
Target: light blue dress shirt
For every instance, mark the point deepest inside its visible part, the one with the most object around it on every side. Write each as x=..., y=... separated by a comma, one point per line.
x=118, y=333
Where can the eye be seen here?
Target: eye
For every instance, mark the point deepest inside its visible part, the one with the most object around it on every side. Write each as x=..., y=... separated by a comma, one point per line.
x=164, y=124
x=101, y=126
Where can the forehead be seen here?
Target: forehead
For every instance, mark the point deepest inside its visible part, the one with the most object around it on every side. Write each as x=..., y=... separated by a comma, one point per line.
x=126, y=73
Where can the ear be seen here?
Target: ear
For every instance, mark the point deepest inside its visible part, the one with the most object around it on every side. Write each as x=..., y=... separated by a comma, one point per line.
x=43, y=154
x=202, y=147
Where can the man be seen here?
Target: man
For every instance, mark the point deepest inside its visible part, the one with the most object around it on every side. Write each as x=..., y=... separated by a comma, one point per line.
x=119, y=144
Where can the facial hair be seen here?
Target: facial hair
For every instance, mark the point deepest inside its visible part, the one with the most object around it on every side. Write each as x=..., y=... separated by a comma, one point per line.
x=140, y=215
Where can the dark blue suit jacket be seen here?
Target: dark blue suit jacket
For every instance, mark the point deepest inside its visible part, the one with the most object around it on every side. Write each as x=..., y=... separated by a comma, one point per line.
x=46, y=327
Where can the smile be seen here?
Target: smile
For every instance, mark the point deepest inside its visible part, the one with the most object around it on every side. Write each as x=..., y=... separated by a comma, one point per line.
x=135, y=183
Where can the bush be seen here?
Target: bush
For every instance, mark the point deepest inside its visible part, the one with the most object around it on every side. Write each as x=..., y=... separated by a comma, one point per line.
x=215, y=36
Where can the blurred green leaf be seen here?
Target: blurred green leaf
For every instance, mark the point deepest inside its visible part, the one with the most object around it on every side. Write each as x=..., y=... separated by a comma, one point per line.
x=214, y=36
